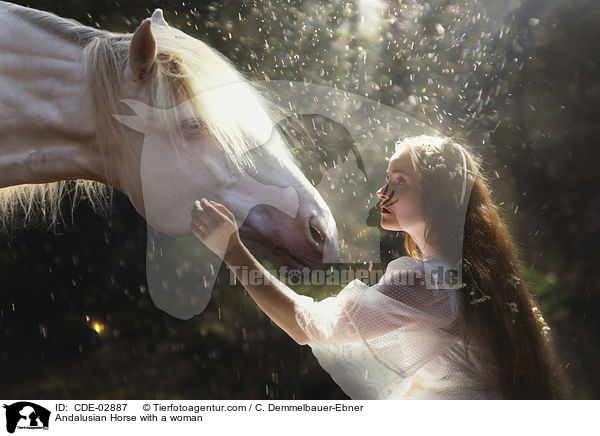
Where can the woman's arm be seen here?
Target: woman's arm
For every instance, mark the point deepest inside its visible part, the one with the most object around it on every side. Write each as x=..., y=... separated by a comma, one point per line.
x=273, y=297
x=216, y=227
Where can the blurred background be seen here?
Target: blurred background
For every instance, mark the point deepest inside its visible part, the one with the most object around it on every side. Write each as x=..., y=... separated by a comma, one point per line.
x=518, y=80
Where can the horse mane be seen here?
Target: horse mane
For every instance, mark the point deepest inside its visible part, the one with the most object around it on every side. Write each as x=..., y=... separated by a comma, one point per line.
x=32, y=202
x=69, y=29
x=234, y=110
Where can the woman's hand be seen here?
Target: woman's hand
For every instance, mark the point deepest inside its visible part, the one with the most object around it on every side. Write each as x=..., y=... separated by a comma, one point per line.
x=214, y=225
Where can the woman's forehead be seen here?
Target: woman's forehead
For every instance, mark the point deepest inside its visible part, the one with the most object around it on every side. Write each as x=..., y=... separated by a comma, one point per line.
x=401, y=160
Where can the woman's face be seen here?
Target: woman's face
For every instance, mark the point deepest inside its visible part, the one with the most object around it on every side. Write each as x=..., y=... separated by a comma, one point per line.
x=401, y=202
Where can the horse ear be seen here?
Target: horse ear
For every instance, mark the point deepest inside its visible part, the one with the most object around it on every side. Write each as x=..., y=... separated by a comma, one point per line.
x=142, y=51
x=158, y=18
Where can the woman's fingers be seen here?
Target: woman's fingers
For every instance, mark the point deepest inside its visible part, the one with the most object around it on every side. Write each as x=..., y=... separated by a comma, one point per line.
x=197, y=209
x=220, y=209
x=198, y=214
x=210, y=208
x=199, y=224
x=213, y=224
x=203, y=214
x=210, y=213
x=225, y=211
x=218, y=214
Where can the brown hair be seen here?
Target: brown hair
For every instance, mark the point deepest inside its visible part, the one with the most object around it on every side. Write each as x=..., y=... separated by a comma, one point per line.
x=498, y=310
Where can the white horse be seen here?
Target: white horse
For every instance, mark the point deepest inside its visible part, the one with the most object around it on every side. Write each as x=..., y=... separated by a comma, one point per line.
x=61, y=83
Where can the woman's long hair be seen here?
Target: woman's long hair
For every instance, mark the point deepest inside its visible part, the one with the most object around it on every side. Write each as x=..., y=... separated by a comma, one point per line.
x=499, y=312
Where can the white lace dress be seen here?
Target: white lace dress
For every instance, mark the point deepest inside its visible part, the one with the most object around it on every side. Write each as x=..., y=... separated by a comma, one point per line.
x=395, y=340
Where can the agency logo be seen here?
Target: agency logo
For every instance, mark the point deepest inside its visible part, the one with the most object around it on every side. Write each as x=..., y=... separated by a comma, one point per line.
x=26, y=415
x=288, y=220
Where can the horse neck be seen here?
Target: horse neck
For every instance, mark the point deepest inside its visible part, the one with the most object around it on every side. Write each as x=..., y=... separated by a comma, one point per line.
x=46, y=112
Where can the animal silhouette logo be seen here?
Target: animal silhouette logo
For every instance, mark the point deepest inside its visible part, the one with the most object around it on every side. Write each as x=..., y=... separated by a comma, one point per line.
x=181, y=272
x=26, y=415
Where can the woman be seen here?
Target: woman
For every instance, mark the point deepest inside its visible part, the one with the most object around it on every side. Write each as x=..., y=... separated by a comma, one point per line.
x=474, y=332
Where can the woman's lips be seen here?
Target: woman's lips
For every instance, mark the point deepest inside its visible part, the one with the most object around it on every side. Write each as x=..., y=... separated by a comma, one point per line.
x=384, y=210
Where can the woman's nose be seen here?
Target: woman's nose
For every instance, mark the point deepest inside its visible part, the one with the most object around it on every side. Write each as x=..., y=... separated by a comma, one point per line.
x=382, y=192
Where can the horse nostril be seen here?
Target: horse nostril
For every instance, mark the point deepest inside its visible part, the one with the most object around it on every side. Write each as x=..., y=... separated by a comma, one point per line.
x=316, y=233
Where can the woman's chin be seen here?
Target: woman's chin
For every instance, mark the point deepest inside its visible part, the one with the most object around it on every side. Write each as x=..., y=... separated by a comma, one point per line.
x=393, y=227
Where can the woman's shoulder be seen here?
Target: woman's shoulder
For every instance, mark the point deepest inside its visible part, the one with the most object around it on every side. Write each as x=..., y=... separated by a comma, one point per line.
x=436, y=268
x=405, y=263
x=423, y=279
x=404, y=270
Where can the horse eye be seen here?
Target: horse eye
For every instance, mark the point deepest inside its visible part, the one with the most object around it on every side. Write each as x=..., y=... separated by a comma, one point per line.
x=193, y=126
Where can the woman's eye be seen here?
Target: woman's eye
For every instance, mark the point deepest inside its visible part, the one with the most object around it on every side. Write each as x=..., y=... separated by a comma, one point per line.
x=193, y=126
x=400, y=180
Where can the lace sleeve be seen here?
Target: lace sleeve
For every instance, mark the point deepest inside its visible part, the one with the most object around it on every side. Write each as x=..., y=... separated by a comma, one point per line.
x=328, y=320
x=401, y=324
x=361, y=312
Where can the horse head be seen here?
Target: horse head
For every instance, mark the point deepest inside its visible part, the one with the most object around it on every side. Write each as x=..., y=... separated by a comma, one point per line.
x=207, y=133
